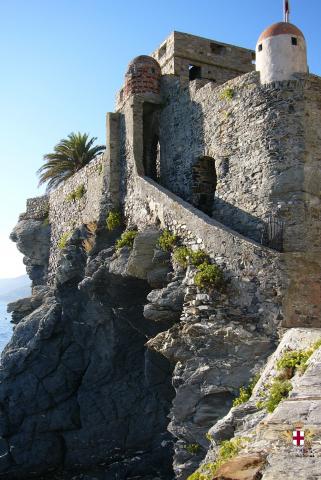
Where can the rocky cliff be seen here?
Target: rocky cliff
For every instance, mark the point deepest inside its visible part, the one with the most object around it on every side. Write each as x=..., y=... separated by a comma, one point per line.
x=120, y=369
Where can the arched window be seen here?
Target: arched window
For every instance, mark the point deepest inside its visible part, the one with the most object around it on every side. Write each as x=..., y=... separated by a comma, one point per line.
x=204, y=184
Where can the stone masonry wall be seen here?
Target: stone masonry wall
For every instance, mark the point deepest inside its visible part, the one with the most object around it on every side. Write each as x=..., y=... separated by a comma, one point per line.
x=256, y=273
x=66, y=214
x=258, y=143
x=217, y=61
x=255, y=135
x=37, y=208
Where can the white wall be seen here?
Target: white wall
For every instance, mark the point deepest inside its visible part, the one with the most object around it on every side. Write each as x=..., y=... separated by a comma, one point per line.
x=279, y=59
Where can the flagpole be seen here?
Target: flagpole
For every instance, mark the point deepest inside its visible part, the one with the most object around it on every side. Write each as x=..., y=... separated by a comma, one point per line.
x=286, y=11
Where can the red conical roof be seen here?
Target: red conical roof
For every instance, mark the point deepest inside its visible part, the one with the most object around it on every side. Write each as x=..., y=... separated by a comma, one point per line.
x=281, y=28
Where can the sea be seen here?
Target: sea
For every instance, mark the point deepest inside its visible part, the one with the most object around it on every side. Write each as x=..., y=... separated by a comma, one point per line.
x=5, y=326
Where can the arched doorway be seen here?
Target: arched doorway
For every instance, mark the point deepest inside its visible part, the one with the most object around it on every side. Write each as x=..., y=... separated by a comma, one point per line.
x=204, y=184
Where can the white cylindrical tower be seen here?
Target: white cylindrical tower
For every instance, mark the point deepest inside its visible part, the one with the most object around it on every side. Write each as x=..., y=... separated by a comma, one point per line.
x=280, y=53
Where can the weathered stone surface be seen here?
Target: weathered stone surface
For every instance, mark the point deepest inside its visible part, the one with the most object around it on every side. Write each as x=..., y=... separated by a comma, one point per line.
x=141, y=257
x=166, y=304
x=66, y=214
x=84, y=384
x=33, y=240
x=241, y=468
x=272, y=433
x=82, y=388
x=24, y=306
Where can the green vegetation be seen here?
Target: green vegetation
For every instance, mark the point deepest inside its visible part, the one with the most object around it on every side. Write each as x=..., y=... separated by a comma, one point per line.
x=228, y=449
x=62, y=242
x=113, y=220
x=246, y=392
x=288, y=365
x=193, y=448
x=227, y=94
x=126, y=240
x=209, y=276
x=278, y=390
x=45, y=221
x=167, y=241
x=69, y=155
x=208, y=436
x=100, y=169
x=76, y=194
x=297, y=359
x=185, y=256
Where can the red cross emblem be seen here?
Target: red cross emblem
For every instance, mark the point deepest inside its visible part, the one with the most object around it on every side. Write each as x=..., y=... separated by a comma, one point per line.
x=298, y=438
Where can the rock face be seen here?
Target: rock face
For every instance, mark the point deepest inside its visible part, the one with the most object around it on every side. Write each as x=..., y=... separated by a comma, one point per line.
x=78, y=387
x=270, y=435
x=33, y=240
x=120, y=369
x=213, y=357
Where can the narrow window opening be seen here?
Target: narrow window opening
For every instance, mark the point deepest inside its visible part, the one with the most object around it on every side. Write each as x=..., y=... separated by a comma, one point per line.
x=260, y=47
x=294, y=41
x=195, y=72
x=121, y=95
x=217, y=48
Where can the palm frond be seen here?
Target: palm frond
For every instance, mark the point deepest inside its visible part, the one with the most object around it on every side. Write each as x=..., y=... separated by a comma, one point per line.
x=68, y=156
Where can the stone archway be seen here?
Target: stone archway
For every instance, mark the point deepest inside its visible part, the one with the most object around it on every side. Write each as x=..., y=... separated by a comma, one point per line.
x=204, y=184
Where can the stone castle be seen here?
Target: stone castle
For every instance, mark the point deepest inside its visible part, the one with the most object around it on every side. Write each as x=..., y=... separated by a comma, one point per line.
x=203, y=144
x=220, y=145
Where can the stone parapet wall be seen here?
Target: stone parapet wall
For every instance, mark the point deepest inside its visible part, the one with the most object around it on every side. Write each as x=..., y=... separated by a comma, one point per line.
x=37, y=208
x=257, y=274
x=66, y=214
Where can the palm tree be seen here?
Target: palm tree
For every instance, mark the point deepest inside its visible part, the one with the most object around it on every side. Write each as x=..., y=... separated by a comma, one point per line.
x=69, y=156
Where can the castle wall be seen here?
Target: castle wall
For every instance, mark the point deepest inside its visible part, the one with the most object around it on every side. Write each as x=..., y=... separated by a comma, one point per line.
x=262, y=155
x=37, y=208
x=256, y=275
x=66, y=214
x=256, y=137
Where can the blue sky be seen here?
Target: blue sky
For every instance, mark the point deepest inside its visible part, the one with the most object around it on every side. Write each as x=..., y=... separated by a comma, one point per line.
x=63, y=61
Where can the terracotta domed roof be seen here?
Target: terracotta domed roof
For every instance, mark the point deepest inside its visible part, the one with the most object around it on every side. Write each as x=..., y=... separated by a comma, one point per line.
x=143, y=61
x=281, y=28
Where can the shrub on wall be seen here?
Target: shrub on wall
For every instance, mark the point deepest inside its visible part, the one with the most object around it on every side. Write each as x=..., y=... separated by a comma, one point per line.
x=167, y=241
x=127, y=239
x=76, y=194
x=227, y=94
x=209, y=276
x=113, y=220
x=62, y=242
x=185, y=256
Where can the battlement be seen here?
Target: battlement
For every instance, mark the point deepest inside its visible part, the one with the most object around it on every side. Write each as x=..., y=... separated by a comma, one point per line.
x=191, y=57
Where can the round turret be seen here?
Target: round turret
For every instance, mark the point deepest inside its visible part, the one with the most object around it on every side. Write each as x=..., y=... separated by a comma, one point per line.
x=281, y=53
x=142, y=76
